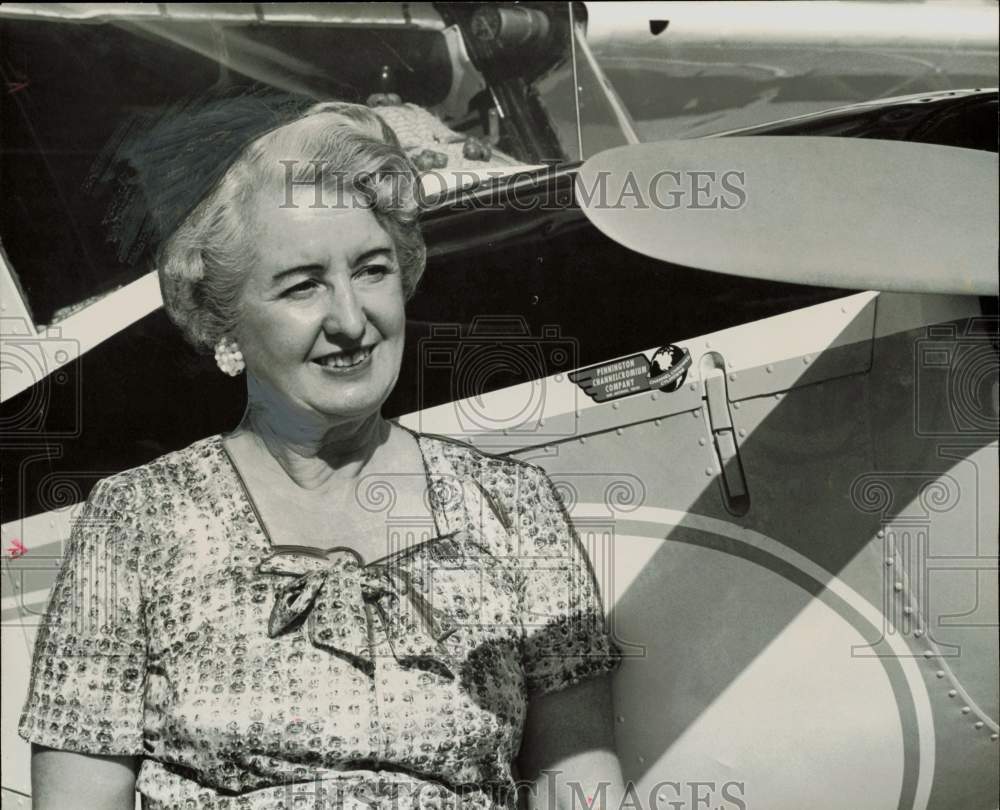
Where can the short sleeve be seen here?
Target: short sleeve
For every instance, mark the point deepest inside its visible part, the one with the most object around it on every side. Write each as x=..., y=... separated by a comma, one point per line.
x=88, y=671
x=565, y=638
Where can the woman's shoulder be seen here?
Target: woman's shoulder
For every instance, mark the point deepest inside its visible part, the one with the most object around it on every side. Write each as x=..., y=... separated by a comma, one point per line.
x=176, y=472
x=517, y=489
x=501, y=472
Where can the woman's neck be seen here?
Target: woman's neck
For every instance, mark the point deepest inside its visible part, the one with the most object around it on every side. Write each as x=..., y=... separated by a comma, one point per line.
x=316, y=457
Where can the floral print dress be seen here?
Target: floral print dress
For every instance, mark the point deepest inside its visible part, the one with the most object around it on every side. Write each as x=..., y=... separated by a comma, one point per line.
x=252, y=676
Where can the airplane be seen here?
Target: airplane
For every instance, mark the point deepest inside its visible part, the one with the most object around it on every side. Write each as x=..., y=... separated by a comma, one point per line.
x=766, y=385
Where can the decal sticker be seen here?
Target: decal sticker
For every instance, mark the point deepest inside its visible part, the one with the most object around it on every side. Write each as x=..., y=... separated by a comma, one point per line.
x=633, y=375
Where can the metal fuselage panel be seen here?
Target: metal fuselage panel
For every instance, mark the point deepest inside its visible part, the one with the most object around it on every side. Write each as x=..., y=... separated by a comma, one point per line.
x=853, y=600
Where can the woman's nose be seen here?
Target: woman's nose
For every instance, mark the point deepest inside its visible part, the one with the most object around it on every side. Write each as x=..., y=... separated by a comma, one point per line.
x=345, y=315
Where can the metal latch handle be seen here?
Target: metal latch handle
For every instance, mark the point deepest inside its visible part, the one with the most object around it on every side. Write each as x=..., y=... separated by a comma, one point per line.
x=726, y=448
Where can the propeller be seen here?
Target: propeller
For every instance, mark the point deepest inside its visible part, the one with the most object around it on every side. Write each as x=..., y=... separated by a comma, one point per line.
x=834, y=212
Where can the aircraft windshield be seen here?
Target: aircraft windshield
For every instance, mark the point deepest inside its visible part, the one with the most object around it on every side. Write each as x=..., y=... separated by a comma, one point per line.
x=458, y=83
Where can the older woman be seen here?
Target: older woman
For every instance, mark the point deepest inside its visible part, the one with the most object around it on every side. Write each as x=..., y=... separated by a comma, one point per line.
x=233, y=625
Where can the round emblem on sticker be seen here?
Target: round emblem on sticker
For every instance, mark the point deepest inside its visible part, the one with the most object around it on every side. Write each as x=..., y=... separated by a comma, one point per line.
x=669, y=367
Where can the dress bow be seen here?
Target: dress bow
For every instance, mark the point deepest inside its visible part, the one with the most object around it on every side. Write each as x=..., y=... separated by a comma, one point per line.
x=346, y=607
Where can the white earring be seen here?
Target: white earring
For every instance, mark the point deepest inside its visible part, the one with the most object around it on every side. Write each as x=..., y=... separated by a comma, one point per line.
x=229, y=357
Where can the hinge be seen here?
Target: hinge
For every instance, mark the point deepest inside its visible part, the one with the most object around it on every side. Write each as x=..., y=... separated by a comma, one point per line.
x=727, y=449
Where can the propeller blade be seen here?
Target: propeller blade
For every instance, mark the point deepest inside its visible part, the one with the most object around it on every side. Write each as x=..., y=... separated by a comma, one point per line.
x=833, y=212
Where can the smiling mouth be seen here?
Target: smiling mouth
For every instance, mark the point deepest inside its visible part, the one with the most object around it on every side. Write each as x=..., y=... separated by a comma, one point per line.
x=344, y=359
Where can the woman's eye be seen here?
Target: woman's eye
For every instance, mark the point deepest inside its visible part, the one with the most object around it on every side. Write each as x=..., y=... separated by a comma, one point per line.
x=302, y=288
x=374, y=270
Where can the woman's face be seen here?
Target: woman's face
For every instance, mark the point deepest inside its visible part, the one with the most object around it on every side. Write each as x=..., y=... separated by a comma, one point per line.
x=322, y=316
